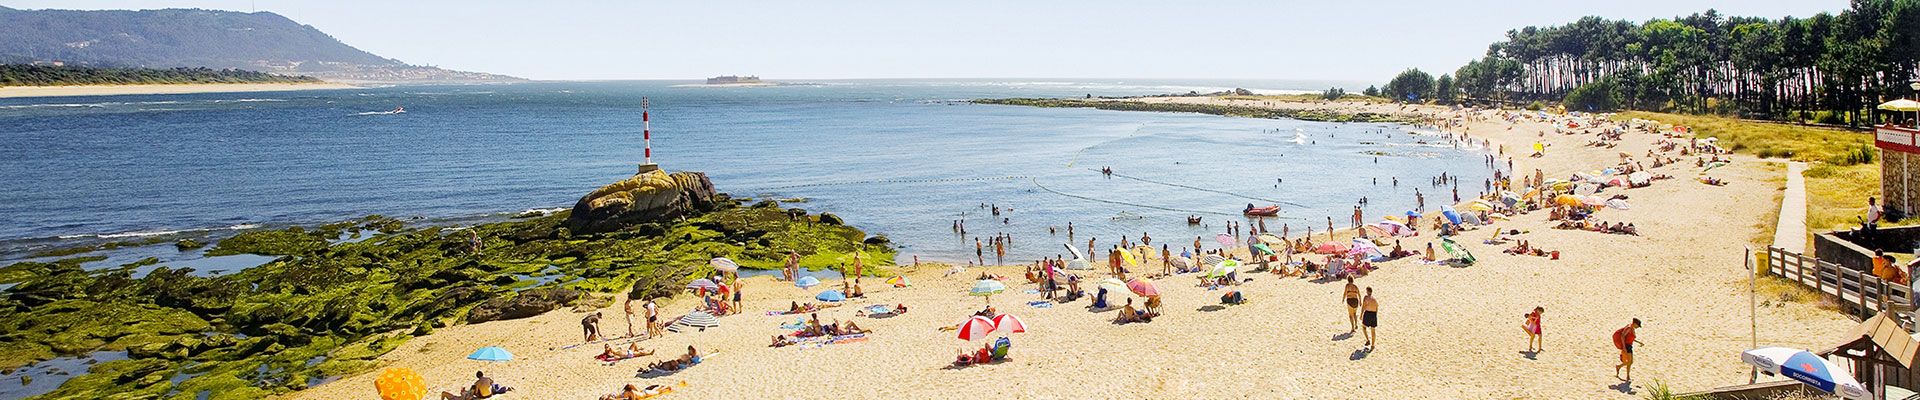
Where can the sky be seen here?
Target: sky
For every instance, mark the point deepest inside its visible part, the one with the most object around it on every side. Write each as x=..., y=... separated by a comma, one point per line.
x=1363, y=40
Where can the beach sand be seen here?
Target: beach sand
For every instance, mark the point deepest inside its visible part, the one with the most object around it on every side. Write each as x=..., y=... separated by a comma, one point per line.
x=1446, y=332
x=110, y=90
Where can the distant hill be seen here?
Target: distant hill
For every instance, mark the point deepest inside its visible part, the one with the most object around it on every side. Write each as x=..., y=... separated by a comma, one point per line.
x=194, y=38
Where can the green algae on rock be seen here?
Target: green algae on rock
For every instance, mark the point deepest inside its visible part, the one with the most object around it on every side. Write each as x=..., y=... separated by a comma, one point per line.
x=329, y=309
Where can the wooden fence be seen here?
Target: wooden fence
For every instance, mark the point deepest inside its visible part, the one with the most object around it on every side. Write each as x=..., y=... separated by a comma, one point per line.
x=1861, y=291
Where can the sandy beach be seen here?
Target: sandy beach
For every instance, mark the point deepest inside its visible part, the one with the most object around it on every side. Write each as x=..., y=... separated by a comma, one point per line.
x=1445, y=332
x=110, y=90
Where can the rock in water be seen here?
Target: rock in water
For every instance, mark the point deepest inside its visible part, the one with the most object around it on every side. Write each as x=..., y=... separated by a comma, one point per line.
x=651, y=196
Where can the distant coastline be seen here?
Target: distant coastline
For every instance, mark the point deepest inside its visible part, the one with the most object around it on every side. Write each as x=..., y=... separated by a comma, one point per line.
x=114, y=90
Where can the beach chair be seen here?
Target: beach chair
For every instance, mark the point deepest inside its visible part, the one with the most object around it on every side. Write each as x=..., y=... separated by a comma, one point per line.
x=1000, y=347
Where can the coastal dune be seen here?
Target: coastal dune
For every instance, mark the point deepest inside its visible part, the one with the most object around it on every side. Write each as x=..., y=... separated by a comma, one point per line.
x=1445, y=332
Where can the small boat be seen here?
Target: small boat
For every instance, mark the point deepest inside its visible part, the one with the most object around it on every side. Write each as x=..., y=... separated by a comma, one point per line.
x=397, y=110
x=1193, y=220
x=1262, y=211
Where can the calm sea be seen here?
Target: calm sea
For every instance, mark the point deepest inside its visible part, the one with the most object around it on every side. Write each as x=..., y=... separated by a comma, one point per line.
x=904, y=158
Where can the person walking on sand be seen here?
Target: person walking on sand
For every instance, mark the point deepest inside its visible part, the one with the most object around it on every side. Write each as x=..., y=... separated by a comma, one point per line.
x=1370, y=317
x=591, y=327
x=1352, y=297
x=1536, y=341
x=1624, y=339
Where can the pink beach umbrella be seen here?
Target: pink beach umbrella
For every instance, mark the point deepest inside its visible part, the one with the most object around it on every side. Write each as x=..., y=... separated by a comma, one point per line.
x=1142, y=287
x=1226, y=241
x=1009, y=324
x=976, y=328
x=1330, y=248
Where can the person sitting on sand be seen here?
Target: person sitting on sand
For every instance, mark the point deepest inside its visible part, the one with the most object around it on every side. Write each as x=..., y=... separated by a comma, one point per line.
x=849, y=328
x=483, y=387
x=1100, y=299
x=857, y=292
x=1128, y=314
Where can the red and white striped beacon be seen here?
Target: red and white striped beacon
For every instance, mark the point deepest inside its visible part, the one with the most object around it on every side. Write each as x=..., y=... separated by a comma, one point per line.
x=646, y=134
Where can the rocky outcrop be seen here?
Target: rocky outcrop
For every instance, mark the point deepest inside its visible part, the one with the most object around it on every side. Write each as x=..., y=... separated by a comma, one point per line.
x=527, y=304
x=651, y=196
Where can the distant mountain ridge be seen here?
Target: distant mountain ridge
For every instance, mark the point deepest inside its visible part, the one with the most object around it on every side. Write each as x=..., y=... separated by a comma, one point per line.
x=169, y=38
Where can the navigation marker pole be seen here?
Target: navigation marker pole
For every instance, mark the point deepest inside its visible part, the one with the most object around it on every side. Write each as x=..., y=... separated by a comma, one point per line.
x=646, y=134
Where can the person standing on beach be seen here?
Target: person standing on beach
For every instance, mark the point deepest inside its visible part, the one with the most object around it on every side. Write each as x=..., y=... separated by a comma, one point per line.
x=1419, y=200
x=1624, y=339
x=1536, y=341
x=653, y=319
x=1352, y=296
x=738, y=284
x=1090, y=249
x=1069, y=229
x=1873, y=216
x=1370, y=317
x=628, y=307
x=979, y=251
x=1196, y=245
x=1145, y=240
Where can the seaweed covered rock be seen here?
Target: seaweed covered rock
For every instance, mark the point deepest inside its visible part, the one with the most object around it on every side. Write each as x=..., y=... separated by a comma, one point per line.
x=651, y=196
x=529, y=303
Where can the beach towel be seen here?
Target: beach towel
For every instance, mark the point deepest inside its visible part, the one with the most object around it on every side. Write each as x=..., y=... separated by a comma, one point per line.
x=1040, y=304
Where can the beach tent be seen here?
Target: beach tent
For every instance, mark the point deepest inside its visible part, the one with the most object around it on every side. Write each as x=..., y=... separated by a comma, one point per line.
x=697, y=320
x=806, y=282
x=831, y=296
x=1808, y=368
x=977, y=327
x=722, y=264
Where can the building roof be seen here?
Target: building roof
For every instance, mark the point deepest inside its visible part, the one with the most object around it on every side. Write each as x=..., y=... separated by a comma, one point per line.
x=1892, y=339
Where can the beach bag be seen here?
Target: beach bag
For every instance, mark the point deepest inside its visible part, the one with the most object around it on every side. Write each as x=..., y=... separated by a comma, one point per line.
x=1620, y=339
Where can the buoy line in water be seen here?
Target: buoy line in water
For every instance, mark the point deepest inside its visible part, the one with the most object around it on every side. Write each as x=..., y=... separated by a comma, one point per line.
x=1036, y=183
x=1202, y=189
x=890, y=181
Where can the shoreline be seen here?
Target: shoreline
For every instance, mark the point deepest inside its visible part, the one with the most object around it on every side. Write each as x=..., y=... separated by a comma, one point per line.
x=8, y=92
x=1599, y=283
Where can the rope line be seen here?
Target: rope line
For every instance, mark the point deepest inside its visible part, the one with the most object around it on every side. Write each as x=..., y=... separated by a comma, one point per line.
x=1036, y=183
x=1275, y=201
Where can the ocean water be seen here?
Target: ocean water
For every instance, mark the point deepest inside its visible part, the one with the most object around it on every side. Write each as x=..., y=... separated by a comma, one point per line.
x=903, y=158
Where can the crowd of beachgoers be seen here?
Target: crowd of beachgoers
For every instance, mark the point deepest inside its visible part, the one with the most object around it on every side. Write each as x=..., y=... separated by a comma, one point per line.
x=1596, y=219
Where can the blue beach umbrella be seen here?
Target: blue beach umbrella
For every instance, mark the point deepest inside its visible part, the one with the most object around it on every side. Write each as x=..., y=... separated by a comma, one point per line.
x=1808, y=368
x=1412, y=214
x=831, y=295
x=491, y=353
x=1452, y=216
x=806, y=282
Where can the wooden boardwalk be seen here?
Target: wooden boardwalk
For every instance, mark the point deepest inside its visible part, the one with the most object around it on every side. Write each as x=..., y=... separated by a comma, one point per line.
x=1860, y=291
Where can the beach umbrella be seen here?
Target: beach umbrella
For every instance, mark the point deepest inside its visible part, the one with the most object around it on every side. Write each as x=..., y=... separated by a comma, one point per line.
x=1640, y=178
x=1271, y=240
x=1079, y=264
x=400, y=384
x=1411, y=214
x=977, y=327
x=1330, y=248
x=722, y=264
x=702, y=284
x=1567, y=200
x=1143, y=287
x=1223, y=269
x=899, y=280
x=1808, y=368
x=1366, y=248
x=1226, y=241
x=806, y=282
x=831, y=295
x=987, y=288
x=1075, y=251
x=1618, y=204
x=1593, y=200
x=1211, y=259
x=1900, y=105
x=1181, y=262
x=491, y=353
x=1452, y=216
x=1009, y=324
x=1376, y=230
x=1127, y=257
x=1262, y=248
x=1479, y=205
x=697, y=319
x=1394, y=228
x=1113, y=285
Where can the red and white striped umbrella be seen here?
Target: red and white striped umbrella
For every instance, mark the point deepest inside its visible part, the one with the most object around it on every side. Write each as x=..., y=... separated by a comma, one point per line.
x=977, y=327
x=1009, y=324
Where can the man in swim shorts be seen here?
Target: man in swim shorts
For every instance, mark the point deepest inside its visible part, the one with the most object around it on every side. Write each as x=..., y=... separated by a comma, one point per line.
x=1370, y=316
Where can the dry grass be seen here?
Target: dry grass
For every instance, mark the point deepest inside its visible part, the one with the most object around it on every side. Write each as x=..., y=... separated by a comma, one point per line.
x=1774, y=140
x=1837, y=196
x=1774, y=291
x=1310, y=97
x=1769, y=219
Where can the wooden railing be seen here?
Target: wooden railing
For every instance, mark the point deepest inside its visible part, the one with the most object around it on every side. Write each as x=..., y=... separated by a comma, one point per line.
x=1862, y=292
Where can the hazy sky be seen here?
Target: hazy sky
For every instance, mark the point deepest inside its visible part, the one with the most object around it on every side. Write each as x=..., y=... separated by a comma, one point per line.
x=1342, y=40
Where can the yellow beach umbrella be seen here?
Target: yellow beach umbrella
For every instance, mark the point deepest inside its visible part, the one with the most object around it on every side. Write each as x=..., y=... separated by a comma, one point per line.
x=400, y=384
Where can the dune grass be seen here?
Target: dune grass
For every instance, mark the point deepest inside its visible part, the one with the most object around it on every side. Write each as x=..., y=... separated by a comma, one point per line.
x=1837, y=195
x=1775, y=140
x=1309, y=97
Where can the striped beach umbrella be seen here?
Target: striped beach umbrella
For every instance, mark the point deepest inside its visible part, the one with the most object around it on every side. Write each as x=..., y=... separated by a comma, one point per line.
x=1143, y=287
x=697, y=320
x=702, y=284
x=1009, y=324
x=977, y=327
x=722, y=264
x=987, y=288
